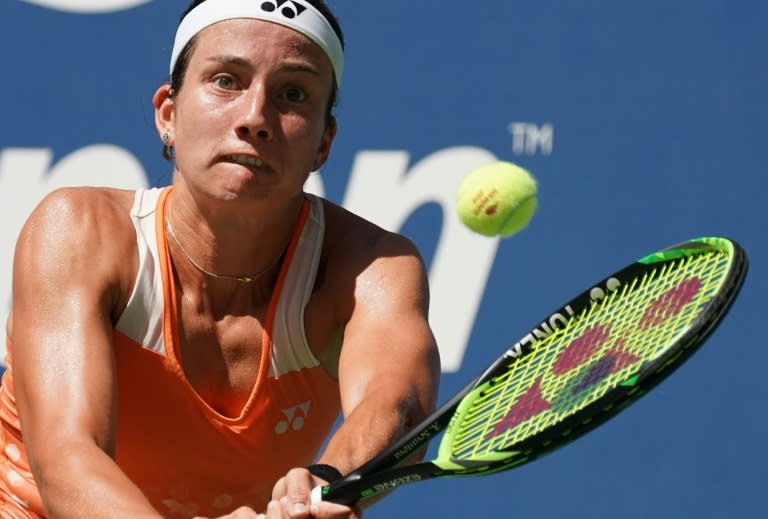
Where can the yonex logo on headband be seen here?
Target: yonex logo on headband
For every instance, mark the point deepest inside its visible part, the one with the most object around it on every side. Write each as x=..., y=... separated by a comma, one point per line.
x=295, y=14
x=290, y=11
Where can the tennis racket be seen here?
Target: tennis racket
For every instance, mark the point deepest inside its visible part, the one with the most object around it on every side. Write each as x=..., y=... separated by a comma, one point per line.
x=583, y=364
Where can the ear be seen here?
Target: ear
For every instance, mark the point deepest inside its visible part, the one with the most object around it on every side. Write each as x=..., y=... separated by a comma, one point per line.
x=164, y=110
x=326, y=142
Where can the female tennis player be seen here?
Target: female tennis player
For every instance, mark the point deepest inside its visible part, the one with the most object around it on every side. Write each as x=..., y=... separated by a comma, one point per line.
x=185, y=351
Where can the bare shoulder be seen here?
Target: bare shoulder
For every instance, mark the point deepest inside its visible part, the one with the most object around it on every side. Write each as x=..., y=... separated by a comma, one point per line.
x=88, y=199
x=79, y=212
x=78, y=238
x=359, y=242
x=369, y=264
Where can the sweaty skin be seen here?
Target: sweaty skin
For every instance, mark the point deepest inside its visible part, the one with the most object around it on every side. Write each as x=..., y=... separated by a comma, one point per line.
x=248, y=126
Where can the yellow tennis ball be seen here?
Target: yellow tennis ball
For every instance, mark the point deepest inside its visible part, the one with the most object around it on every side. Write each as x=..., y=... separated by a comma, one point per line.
x=497, y=199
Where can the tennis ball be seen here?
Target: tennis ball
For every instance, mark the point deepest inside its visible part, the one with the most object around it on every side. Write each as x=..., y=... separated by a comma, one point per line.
x=497, y=199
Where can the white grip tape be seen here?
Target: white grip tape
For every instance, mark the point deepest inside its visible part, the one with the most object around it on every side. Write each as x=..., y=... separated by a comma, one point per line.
x=316, y=496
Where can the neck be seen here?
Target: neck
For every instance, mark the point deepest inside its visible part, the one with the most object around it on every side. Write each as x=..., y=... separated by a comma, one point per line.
x=235, y=248
x=249, y=278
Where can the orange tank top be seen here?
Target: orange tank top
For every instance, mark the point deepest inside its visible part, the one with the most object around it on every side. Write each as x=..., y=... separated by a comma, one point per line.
x=187, y=458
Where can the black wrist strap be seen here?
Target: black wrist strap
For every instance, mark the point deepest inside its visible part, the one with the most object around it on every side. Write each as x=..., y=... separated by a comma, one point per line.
x=326, y=472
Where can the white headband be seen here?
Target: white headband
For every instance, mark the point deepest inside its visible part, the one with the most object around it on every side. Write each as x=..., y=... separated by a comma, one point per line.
x=299, y=15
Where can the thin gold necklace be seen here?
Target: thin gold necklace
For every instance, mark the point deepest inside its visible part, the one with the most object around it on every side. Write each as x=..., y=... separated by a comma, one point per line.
x=241, y=279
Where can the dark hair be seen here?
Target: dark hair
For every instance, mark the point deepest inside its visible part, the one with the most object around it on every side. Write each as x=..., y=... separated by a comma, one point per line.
x=180, y=68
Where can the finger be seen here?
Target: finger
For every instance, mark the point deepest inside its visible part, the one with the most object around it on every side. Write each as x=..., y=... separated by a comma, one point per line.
x=243, y=513
x=279, y=490
x=294, y=510
x=328, y=510
x=299, y=484
x=273, y=510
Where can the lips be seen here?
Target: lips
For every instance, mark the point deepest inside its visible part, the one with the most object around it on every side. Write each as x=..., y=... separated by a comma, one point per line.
x=245, y=160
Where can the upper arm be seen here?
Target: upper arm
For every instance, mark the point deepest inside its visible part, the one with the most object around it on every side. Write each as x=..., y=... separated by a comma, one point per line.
x=389, y=353
x=64, y=296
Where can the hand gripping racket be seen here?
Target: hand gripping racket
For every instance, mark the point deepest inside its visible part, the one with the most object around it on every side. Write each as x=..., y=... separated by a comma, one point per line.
x=585, y=363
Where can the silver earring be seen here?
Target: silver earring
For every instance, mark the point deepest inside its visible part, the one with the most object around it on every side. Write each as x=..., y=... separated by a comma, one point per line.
x=166, y=138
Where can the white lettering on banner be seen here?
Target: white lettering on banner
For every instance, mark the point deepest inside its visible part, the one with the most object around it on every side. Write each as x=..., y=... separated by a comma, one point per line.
x=383, y=191
x=530, y=139
x=88, y=6
x=26, y=177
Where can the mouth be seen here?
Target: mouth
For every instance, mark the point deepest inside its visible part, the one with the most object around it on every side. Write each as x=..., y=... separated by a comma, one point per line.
x=245, y=160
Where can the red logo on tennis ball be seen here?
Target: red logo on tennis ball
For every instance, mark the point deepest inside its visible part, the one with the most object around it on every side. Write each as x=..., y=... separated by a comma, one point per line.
x=481, y=201
x=497, y=199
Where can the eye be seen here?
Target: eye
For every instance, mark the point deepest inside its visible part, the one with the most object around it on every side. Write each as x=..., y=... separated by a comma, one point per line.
x=225, y=82
x=294, y=95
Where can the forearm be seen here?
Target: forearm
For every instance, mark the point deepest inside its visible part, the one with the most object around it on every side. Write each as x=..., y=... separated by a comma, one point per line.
x=86, y=482
x=366, y=431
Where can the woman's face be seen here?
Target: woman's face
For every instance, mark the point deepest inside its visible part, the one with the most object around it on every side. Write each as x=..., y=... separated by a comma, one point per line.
x=251, y=117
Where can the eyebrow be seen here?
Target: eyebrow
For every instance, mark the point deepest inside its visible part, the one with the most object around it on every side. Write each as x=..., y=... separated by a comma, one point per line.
x=233, y=60
x=288, y=66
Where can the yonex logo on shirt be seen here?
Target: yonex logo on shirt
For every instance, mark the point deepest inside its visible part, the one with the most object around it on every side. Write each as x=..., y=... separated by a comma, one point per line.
x=288, y=8
x=295, y=418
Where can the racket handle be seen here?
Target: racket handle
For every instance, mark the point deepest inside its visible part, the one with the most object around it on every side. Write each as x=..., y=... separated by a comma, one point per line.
x=348, y=495
x=316, y=496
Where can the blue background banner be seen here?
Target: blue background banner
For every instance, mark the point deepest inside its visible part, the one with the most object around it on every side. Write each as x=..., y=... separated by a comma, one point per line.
x=642, y=122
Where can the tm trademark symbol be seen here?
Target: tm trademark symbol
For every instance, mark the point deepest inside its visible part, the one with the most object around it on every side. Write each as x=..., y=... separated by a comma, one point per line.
x=531, y=138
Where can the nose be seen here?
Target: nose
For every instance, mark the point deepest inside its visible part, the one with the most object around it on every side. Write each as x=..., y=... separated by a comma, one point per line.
x=255, y=115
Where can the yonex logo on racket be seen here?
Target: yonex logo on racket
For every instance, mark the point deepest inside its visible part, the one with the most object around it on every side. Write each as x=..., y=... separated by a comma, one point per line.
x=558, y=320
x=611, y=284
x=530, y=404
x=670, y=303
x=584, y=347
x=288, y=8
x=597, y=353
x=545, y=329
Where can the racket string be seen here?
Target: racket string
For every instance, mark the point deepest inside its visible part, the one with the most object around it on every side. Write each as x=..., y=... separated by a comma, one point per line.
x=600, y=348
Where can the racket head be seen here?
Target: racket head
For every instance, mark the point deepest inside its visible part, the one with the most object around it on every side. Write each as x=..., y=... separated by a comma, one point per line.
x=585, y=363
x=593, y=357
